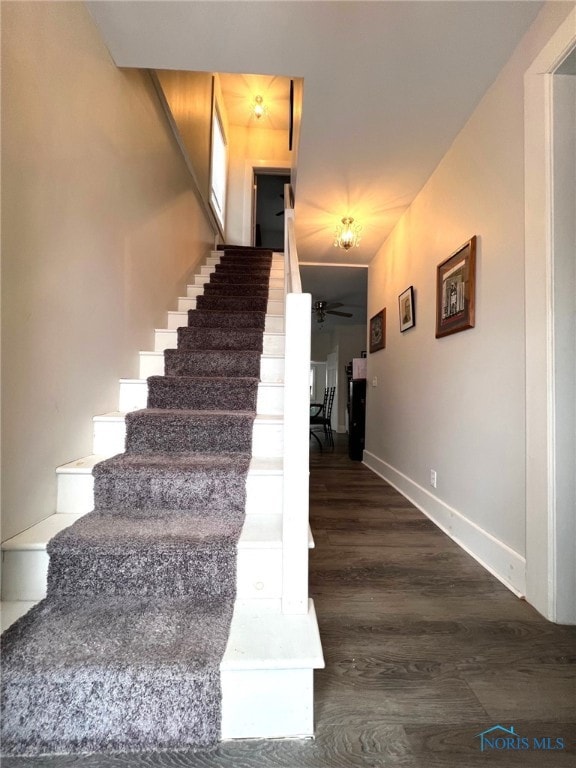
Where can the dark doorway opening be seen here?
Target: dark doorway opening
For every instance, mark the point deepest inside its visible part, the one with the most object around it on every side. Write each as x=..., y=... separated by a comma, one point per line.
x=269, y=208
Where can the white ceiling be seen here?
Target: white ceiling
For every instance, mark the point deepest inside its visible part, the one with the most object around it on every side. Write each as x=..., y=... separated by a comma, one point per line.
x=387, y=87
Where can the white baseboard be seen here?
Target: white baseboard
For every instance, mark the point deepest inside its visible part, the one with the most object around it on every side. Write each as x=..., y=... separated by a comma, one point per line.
x=499, y=559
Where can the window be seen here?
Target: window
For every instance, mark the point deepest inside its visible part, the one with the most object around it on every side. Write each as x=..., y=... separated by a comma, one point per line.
x=219, y=169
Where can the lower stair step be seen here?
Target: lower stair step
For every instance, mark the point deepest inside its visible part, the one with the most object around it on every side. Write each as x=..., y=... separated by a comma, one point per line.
x=273, y=305
x=175, y=320
x=134, y=395
x=202, y=484
x=110, y=434
x=267, y=672
x=25, y=560
x=112, y=554
x=143, y=673
x=76, y=486
x=271, y=367
x=167, y=338
x=258, y=565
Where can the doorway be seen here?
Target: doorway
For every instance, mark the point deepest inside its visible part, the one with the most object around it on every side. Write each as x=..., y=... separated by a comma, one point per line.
x=268, y=208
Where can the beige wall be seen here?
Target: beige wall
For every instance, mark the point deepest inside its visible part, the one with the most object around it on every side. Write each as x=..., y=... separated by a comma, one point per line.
x=264, y=147
x=457, y=404
x=100, y=230
x=187, y=97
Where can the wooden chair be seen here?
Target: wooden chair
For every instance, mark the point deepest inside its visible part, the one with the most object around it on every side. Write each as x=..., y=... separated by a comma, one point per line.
x=322, y=418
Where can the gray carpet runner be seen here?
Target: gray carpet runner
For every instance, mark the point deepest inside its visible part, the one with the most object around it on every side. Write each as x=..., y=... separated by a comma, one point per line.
x=124, y=652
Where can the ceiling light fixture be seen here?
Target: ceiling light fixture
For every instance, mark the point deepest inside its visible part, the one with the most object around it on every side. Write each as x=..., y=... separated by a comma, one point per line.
x=259, y=109
x=347, y=234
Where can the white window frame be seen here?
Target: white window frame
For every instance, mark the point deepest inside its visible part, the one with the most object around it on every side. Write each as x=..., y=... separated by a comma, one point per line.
x=218, y=168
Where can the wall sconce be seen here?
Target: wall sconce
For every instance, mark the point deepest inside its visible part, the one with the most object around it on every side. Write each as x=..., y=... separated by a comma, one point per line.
x=259, y=109
x=347, y=234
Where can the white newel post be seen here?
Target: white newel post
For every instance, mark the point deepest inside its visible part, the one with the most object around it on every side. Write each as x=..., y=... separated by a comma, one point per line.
x=296, y=453
x=296, y=429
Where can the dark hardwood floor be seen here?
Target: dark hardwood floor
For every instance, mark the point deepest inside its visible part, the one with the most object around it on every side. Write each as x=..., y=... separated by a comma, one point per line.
x=424, y=649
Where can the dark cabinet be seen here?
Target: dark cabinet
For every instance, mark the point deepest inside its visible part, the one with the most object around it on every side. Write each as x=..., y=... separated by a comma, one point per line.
x=356, y=418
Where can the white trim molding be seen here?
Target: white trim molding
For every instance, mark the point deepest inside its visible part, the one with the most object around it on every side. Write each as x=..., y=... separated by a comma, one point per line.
x=543, y=527
x=250, y=166
x=496, y=557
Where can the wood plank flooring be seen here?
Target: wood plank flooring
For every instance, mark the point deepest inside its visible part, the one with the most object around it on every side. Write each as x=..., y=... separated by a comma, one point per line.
x=424, y=649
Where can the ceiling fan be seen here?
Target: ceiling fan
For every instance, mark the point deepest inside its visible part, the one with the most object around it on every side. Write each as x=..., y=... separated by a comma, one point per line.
x=323, y=308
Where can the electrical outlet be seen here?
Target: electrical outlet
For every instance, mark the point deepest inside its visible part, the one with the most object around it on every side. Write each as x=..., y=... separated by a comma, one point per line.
x=433, y=478
x=375, y=381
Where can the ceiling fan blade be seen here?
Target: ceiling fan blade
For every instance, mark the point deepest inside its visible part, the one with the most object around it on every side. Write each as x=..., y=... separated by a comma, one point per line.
x=340, y=314
x=280, y=213
x=333, y=305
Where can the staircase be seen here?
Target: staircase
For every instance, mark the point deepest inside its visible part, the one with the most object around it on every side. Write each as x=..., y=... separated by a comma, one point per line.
x=153, y=651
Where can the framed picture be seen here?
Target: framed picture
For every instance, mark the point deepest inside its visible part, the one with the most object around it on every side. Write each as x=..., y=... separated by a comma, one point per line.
x=455, y=289
x=406, y=309
x=378, y=331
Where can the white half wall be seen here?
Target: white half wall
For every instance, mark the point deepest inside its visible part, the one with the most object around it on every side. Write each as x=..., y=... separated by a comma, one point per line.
x=101, y=228
x=456, y=405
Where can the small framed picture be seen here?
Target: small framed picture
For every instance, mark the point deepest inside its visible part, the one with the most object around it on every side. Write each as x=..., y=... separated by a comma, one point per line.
x=455, y=291
x=406, y=309
x=378, y=331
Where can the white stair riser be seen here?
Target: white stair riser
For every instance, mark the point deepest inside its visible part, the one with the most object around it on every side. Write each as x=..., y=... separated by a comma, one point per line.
x=197, y=287
x=264, y=494
x=271, y=368
x=165, y=338
x=274, y=324
x=259, y=573
x=110, y=433
x=24, y=574
x=134, y=395
x=268, y=440
x=267, y=703
x=275, y=304
x=175, y=320
x=76, y=493
x=25, y=571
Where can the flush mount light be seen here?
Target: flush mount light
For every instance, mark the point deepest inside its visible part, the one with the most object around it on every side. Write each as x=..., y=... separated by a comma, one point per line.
x=259, y=109
x=347, y=234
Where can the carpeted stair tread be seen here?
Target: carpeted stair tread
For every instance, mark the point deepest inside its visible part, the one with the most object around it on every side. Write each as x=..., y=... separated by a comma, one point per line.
x=207, y=393
x=114, y=674
x=211, y=363
x=179, y=555
x=124, y=535
x=214, y=318
x=236, y=289
x=230, y=270
x=220, y=338
x=155, y=484
x=230, y=247
x=234, y=303
x=241, y=257
x=184, y=430
x=239, y=277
